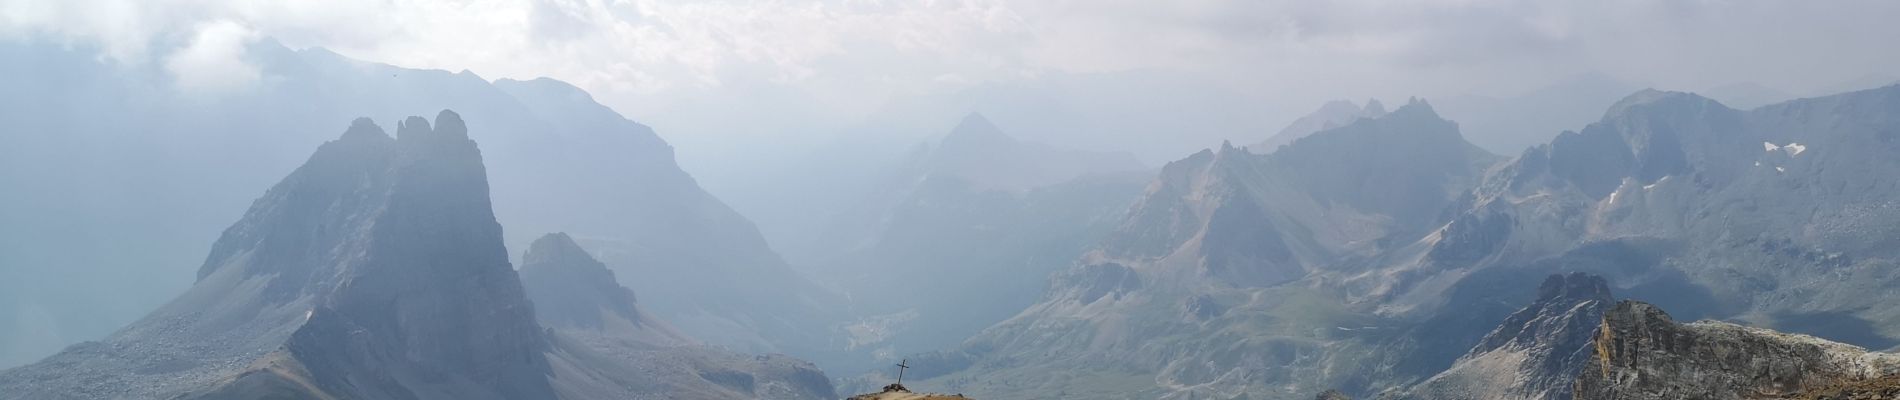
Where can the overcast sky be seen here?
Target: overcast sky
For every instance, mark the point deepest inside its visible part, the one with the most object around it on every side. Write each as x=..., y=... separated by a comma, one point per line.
x=708, y=71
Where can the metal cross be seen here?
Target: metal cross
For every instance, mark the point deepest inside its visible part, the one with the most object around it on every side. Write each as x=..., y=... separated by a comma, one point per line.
x=901, y=366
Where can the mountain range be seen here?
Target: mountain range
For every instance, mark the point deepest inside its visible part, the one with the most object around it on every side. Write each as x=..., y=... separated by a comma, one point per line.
x=85, y=133
x=1198, y=291
x=1359, y=252
x=1382, y=253
x=377, y=270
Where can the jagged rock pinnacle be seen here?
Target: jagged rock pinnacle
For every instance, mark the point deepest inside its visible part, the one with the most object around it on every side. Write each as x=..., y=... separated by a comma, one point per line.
x=413, y=128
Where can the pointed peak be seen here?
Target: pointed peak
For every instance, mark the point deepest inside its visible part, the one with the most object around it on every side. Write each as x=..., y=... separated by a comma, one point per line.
x=1193, y=161
x=1416, y=106
x=1373, y=108
x=974, y=118
x=976, y=133
x=364, y=128
x=1228, y=154
x=975, y=124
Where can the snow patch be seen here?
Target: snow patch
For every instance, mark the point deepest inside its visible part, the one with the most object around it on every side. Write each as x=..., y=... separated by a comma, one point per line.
x=1780, y=169
x=1652, y=185
x=1792, y=148
x=1612, y=198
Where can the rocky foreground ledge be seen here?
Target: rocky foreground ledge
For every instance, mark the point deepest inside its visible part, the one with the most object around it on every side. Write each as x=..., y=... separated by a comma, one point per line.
x=899, y=392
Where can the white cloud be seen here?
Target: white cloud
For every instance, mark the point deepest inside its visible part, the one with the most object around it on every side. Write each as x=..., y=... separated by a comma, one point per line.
x=214, y=61
x=838, y=60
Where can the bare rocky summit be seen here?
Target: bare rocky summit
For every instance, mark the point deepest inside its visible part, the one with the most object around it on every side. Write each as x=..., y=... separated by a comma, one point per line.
x=897, y=391
x=1572, y=342
x=1536, y=353
x=376, y=270
x=1641, y=353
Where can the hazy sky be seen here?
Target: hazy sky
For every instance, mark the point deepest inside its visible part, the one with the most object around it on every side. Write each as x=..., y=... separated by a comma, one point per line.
x=705, y=71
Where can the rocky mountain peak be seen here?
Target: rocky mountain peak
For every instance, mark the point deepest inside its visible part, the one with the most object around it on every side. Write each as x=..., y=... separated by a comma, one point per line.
x=1632, y=316
x=1374, y=108
x=1575, y=287
x=976, y=132
x=413, y=127
x=574, y=292
x=374, y=270
x=1642, y=353
x=556, y=249
x=1415, y=108
x=364, y=129
x=1536, y=352
x=449, y=125
x=428, y=278
x=1555, y=316
x=1341, y=107
x=978, y=152
x=1652, y=98
x=606, y=345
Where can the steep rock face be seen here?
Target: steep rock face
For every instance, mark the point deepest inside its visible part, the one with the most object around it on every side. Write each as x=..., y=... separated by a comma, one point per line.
x=1255, y=220
x=1641, y=353
x=1536, y=353
x=143, y=171
x=432, y=308
x=1205, y=286
x=605, y=345
x=376, y=270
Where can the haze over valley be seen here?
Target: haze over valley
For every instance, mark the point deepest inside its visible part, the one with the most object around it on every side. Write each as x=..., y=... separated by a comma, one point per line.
x=568, y=199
